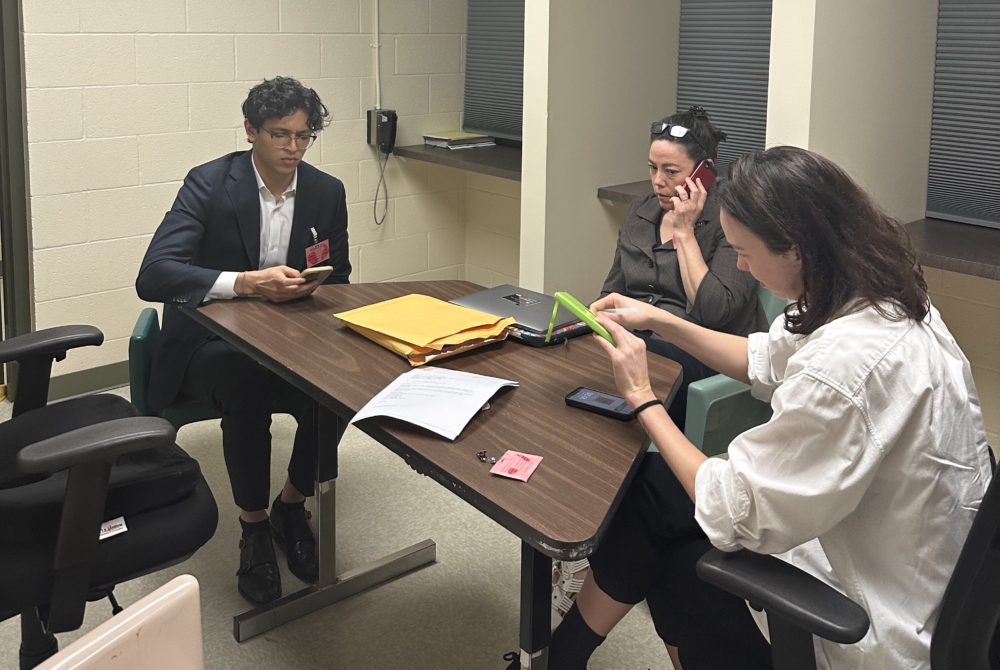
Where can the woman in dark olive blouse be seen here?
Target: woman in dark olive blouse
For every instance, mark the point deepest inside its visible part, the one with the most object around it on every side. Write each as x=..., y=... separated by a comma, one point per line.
x=672, y=253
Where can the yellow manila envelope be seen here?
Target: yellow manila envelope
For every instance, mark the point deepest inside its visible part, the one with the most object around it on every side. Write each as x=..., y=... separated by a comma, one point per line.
x=421, y=328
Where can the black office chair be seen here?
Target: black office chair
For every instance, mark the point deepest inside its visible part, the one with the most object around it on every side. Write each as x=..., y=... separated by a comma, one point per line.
x=67, y=467
x=799, y=606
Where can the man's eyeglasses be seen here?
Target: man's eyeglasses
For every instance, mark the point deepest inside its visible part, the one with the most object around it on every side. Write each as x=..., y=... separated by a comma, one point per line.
x=661, y=128
x=280, y=140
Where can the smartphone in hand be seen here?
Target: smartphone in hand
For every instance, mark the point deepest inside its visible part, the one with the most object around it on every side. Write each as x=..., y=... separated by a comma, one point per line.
x=705, y=172
x=317, y=274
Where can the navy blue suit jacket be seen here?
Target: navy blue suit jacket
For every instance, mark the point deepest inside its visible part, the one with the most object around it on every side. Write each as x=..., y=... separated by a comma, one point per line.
x=214, y=226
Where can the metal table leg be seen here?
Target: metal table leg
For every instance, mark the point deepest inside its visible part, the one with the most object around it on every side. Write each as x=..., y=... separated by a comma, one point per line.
x=330, y=587
x=536, y=617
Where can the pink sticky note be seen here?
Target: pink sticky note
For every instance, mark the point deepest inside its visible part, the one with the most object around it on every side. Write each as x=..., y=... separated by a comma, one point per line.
x=516, y=465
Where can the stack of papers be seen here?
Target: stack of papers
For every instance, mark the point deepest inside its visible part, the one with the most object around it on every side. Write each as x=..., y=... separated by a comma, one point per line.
x=421, y=328
x=457, y=139
x=440, y=400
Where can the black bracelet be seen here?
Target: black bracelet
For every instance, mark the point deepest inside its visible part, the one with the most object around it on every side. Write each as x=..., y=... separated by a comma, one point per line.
x=646, y=405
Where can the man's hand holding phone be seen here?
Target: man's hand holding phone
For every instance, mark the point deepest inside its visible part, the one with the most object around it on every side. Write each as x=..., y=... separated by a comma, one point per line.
x=277, y=284
x=317, y=274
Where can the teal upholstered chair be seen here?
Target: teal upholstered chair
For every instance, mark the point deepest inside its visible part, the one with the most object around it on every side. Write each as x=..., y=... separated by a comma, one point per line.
x=141, y=346
x=720, y=408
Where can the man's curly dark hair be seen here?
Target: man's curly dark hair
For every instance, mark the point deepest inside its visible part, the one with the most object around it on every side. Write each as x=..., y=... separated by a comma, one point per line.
x=277, y=98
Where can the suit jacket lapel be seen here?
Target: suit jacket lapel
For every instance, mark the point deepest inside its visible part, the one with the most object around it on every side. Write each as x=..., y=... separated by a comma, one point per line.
x=245, y=197
x=306, y=211
x=643, y=234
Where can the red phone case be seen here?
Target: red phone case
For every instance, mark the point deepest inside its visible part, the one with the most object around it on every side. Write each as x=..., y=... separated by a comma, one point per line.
x=703, y=172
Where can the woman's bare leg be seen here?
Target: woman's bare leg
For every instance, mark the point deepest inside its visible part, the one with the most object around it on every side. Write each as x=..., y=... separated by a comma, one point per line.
x=674, y=658
x=600, y=611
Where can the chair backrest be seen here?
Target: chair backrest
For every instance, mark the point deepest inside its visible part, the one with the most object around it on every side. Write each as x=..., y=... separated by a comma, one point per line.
x=160, y=632
x=773, y=305
x=971, y=606
x=141, y=346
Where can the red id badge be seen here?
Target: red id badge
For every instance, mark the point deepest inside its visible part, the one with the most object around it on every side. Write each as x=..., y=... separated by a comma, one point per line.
x=317, y=253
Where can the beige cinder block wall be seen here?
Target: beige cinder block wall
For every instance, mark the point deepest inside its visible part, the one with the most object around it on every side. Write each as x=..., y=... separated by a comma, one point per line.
x=492, y=230
x=123, y=98
x=853, y=80
x=596, y=74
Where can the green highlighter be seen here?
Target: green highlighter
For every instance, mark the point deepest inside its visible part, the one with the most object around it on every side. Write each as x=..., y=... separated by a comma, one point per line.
x=581, y=312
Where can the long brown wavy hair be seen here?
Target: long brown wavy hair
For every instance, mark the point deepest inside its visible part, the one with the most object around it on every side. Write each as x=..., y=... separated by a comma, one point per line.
x=853, y=254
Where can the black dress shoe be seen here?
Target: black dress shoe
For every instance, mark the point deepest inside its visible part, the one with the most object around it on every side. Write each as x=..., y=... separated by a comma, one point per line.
x=259, y=577
x=290, y=529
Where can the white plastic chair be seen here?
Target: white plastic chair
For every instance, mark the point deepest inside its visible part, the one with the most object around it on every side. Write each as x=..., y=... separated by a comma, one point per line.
x=160, y=632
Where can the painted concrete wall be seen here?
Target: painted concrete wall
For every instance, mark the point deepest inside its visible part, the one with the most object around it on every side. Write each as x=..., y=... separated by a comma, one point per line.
x=596, y=75
x=123, y=98
x=853, y=80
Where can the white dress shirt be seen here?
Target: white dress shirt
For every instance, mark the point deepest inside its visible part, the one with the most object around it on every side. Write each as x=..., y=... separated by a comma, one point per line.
x=275, y=231
x=877, y=447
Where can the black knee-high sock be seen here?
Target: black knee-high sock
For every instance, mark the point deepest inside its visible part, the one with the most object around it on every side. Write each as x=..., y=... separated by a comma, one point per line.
x=573, y=642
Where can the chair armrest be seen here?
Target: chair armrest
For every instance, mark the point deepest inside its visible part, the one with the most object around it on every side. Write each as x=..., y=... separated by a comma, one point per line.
x=100, y=442
x=53, y=342
x=141, y=345
x=779, y=587
x=701, y=395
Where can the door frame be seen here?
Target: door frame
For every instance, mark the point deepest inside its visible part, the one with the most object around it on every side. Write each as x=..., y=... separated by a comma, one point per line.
x=15, y=235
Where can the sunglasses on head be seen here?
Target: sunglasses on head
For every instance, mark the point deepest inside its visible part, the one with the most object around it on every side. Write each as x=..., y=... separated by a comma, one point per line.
x=673, y=130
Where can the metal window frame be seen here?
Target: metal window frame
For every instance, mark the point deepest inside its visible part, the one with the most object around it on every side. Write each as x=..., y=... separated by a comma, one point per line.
x=494, y=68
x=965, y=132
x=15, y=236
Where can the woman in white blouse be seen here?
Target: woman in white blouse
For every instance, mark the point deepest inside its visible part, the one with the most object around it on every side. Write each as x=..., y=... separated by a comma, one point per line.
x=876, y=447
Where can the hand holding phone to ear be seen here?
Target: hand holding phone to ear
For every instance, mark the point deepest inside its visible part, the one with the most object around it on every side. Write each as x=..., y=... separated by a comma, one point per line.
x=690, y=199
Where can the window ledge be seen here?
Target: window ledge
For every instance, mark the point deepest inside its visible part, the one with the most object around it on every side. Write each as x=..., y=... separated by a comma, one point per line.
x=957, y=247
x=499, y=161
x=625, y=193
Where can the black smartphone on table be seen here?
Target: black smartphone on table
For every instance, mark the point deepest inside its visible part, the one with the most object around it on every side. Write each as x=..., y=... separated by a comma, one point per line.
x=605, y=404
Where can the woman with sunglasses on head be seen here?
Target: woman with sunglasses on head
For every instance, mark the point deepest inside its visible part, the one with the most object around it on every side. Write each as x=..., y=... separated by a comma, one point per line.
x=876, y=447
x=673, y=255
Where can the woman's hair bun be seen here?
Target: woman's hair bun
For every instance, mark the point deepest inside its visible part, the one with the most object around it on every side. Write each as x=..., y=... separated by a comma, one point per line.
x=698, y=112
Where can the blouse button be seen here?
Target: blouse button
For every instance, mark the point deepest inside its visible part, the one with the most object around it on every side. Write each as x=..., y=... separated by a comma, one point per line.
x=649, y=299
x=649, y=262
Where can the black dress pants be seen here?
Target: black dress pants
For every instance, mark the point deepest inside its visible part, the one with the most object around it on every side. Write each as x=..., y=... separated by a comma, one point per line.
x=246, y=394
x=650, y=552
x=693, y=369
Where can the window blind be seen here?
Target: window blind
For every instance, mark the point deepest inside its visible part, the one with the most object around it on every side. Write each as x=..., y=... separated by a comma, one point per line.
x=723, y=66
x=494, y=68
x=964, y=172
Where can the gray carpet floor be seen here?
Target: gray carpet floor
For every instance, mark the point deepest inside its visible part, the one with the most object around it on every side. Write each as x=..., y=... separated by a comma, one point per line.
x=458, y=613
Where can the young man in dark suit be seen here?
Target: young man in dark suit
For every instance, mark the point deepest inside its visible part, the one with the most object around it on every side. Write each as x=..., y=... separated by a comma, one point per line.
x=246, y=224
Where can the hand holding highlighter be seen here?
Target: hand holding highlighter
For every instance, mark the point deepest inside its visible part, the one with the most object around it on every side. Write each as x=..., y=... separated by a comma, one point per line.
x=580, y=311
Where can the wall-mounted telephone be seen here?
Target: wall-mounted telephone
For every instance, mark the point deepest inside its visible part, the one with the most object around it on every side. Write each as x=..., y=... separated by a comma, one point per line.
x=382, y=129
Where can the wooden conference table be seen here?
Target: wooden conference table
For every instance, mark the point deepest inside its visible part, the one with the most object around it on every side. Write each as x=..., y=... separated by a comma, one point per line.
x=561, y=512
